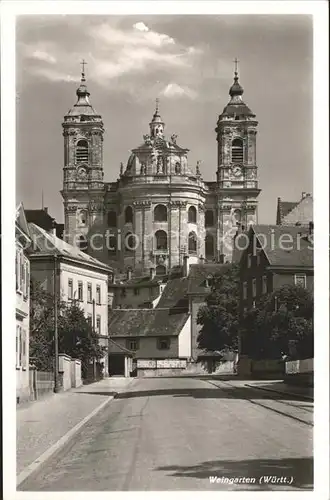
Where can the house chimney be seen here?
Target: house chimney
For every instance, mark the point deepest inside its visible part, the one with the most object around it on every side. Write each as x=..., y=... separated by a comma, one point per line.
x=129, y=274
x=202, y=259
x=303, y=195
x=185, y=266
x=53, y=230
x=152, y=271
x=46, y=210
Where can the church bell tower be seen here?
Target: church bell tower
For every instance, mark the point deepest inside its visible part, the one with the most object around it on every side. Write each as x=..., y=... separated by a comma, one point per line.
x=83, y=185
x=237, y=172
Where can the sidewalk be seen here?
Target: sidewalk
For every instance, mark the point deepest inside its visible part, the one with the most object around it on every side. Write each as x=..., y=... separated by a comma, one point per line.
x=283, y=388
x=42, y=423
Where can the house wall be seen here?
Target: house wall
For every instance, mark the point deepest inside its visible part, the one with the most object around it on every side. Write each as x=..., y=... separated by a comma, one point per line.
x=185, y=340
x=22, y=324
x=133, y=297
x=281, y=279
x=148, y=347
x=195, y=304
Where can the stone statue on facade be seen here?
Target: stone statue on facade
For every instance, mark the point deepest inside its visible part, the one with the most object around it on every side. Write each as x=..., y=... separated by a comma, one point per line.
x=143, y=169
x=147, y=140
x=173, y=138
x=198, y=172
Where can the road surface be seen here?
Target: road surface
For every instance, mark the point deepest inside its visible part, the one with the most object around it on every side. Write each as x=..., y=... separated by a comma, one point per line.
x=187, y=434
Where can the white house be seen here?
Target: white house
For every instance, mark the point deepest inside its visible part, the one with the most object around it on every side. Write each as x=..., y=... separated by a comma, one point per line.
x=79, y=277
x=23, y=242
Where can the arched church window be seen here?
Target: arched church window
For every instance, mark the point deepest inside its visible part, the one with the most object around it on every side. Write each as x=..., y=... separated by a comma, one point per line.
x=192, y=215
x=192, y=242
x=160, y=270
x=128, y=215
x=82, y=243
x=112, y=219
x=82, y=151
x=237, y=151
x=178, y=168
x=160, y=213
x=130, y=242
x=209, y=246
x=161, y=240
x=209, y=218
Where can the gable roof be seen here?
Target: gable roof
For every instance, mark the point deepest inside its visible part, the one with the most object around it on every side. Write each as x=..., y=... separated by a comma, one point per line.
x=48, y=243
x=198, y=274
x=292, y=212
x=284, y=246
x=40, y=217
x=21, y=222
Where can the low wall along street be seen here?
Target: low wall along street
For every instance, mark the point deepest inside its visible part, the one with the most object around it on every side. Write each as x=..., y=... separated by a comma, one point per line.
x=70, y=372
x=171, y=367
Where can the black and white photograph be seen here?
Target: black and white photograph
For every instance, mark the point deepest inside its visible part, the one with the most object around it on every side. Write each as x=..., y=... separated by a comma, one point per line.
x=165, y=173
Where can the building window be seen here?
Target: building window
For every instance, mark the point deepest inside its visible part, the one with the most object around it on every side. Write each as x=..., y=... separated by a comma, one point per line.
x=80, y=291
x=112, y=219
x=98, y=294
x=112, y=242
x=209, y=246
x=17, y=269
x=98, y=325
x=18, y=342
x=82, y=151
x=23, y=349
x=244, y=290
x=123, y=292
x=82, y=243
x=161, y=240
x=209, y=218
x=82, y=217
x=300, y=280
x=160, y=213
x=132, y=344
x=192, y=242
x=264, y=284
x=130, y=243
x=163, y=343
x=26, y=280
x=136, y=291
x=237, y=151
x=254, y=287
x=249, y=260
x=89, y=292
x=128, y=215
x=70, y=289
x=192, y=215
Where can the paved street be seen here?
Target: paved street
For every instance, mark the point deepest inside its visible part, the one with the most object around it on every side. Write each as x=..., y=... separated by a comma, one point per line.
x=174, y=433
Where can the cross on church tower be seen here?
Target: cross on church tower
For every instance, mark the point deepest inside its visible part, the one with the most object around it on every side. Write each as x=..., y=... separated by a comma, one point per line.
x=157, y=104
x=236, y=61
x=83, y=62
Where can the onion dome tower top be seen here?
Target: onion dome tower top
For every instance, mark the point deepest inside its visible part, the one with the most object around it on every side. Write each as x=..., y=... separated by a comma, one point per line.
x=236, y=108
x=83, y=110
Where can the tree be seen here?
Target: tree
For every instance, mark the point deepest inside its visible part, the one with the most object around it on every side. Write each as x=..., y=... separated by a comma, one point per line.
x=281, y=325
x=219, y=317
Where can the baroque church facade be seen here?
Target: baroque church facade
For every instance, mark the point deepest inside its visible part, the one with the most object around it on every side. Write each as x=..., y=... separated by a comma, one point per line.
x=160, y=210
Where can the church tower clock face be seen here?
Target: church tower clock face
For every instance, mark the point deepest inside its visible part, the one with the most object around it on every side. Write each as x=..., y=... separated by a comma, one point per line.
x=237, y=171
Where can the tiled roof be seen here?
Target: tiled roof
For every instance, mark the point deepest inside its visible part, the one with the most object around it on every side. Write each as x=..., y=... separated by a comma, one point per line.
x=287, y=206
x=175, y=294
x=48, y=243
x=285, y=246
x=146, y=322
x=138, y=282
x=198, y=274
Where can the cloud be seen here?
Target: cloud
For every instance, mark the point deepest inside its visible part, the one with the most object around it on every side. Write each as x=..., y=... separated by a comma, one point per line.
x=55, y=76
x=173, y=90
x=140, y=26
x=43, y=56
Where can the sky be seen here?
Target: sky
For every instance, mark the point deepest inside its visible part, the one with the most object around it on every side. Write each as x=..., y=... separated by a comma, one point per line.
x=186, y=62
